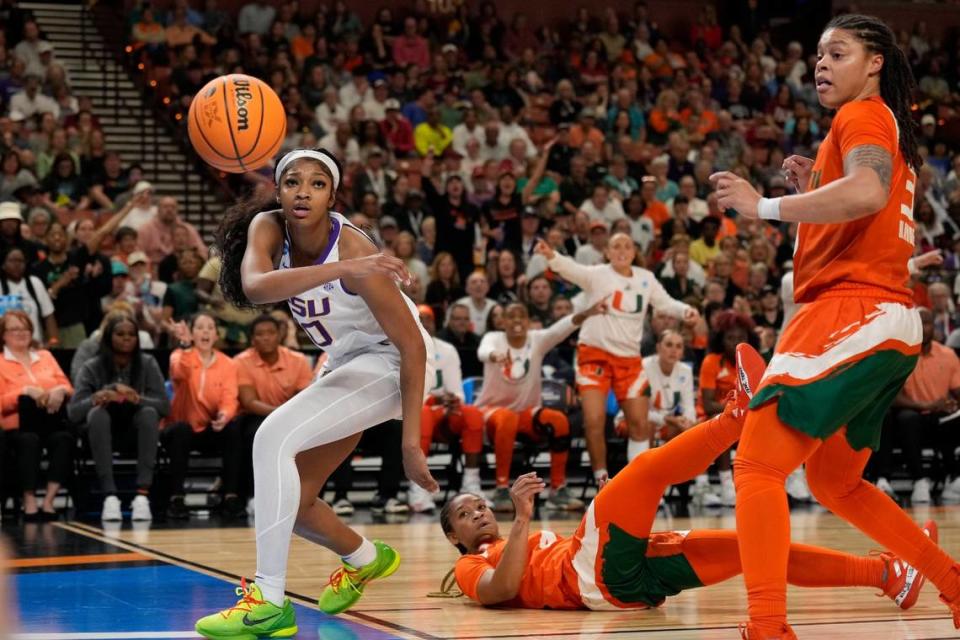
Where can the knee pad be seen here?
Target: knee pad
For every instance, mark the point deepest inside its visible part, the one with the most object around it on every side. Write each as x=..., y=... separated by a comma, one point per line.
x=556, y=443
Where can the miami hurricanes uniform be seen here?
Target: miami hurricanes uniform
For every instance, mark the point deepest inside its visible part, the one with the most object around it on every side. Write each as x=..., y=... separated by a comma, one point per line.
x=465, y=420
x=844, y=356
x=608, y=355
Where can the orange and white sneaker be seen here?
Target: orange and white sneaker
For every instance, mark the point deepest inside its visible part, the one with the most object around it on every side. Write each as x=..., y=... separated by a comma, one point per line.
x=749, y=632
x=904, y=582
x=750, y=370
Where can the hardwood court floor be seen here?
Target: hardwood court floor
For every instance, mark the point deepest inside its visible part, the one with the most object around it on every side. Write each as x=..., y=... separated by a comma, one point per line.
x=400, y=606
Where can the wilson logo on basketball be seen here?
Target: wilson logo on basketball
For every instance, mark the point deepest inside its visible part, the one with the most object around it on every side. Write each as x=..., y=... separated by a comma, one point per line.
x=243, y=95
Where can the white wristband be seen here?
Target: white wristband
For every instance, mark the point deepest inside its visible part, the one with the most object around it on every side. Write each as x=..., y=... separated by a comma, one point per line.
x=769, y=208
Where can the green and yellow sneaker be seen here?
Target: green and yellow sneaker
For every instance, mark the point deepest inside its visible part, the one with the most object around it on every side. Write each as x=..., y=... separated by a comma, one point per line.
x=347, y=583
x=252, y=618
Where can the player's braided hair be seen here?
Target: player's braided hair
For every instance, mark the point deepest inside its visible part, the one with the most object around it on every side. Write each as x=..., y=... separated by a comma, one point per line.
x=231, y=239
x=897, y=83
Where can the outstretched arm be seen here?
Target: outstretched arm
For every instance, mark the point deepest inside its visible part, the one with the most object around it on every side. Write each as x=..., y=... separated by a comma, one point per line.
x=263, y=284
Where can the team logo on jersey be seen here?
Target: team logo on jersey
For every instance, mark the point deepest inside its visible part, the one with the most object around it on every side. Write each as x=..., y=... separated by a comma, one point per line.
x=516, y=368
x=328, y=286
x=627, y=303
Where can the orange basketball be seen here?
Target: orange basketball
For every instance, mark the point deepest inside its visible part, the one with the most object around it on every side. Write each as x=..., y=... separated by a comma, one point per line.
x=236, y=123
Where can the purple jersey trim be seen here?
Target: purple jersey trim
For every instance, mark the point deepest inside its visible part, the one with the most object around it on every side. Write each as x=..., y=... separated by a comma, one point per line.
x=334, y=234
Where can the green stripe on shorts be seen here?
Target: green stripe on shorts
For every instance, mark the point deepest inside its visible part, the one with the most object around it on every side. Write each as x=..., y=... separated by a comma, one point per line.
x=856, y=395
x=631, y=577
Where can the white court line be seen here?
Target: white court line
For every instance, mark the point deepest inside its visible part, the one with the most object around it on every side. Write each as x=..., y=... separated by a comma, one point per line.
x=106, y=635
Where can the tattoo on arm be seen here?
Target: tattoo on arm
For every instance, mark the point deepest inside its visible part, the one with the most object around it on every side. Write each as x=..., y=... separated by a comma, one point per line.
x=873, y=157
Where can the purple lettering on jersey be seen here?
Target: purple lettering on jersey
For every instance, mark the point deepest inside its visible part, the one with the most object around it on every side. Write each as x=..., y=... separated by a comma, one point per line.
x=307, y=309
x=306, y=313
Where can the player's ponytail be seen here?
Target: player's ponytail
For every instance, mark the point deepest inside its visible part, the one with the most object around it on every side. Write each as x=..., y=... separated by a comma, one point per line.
x=231, y=242
x=897, y=83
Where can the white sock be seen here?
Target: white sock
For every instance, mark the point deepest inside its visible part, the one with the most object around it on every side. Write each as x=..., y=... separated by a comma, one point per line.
x=471, y=475
x=362, y=555
x=702, y=479
x=726, y=477
x=599, y=474
x=272, y=588
x=636, y=447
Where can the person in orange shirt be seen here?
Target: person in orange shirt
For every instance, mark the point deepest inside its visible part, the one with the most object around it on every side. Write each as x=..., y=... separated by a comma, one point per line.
x=653, y=208
x=205, y=401
x=843, y=357
x=267, y=376
x=718, y=377
x=586, y=130
x=33, y=413
x=929, y=395
x=614, y=561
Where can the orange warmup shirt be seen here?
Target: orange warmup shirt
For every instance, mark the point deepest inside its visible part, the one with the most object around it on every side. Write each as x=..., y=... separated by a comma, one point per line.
x=936, y=374
x=200, y=392
x=549, y=580
x=716, y=373
x=44, y=372
x=274, y=383
x=865, y=257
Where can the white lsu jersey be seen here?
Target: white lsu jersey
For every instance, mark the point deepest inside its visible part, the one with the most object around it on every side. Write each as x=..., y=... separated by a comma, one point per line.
x=620, y=330
x=448, y=377
x=337, y=319
x=669, y=394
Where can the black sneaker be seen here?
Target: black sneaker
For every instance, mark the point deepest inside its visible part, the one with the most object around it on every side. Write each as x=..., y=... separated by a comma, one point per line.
x=380, y=504
x=233, y=508
x=177, y=510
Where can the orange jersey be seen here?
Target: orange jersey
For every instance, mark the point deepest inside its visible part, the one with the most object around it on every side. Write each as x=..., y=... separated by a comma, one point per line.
x=716, y=373
x=549, y=581
x=865, y=257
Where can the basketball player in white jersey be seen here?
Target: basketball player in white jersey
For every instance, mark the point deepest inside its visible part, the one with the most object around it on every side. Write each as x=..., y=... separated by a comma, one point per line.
x=343, y=293
x=608, y=353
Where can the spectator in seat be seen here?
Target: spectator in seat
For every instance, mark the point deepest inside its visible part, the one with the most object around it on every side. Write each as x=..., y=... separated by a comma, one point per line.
x=110, y=182
x=929, y=394
x=180, y=301
x=706, y=248
x=144, y=209
x=120, y=400
x=33, y=392
x=205, y=401
x=148, y=33
x=57, y=144
x=462, y=337
x=944, y=316
x=11, y=234
x=28, y=294
x=156, y=235
x=539, y=297
x=268, y=375
x=669, y=385
x=181, y=33
x=256, y=17
x=13, y=175
x=601, y=207
x=69, y=288
x=124, y=243
x=432, y=137
x=680, y=285
x=444, y=287
x=28, y=49
x=410, y=47
x=373, y=178
x=65, y=188
x=565, y=108
x=90, y=347
x=29, y=102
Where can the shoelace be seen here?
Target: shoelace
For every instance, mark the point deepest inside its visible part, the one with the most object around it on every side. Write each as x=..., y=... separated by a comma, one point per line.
x=340, y=575
x=246, y=601
x=448, y=587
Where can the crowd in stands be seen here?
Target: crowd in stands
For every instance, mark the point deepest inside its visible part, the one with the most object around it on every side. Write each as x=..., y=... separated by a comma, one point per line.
x=468, y=137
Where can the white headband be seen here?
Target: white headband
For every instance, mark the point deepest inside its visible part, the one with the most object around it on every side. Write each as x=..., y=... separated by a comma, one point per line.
x=296, y=154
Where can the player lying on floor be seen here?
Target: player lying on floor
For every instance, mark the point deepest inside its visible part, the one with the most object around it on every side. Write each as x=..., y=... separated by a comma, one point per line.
x=613, y=561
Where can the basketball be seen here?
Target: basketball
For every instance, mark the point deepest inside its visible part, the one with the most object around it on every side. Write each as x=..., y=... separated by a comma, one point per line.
x=236, y=123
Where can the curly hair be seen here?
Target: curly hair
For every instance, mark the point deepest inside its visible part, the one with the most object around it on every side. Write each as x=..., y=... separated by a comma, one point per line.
x=727, y=321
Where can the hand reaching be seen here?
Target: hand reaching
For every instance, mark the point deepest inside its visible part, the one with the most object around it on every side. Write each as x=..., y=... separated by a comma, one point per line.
x=797, y=171
x=416, y=469
x=523, y=492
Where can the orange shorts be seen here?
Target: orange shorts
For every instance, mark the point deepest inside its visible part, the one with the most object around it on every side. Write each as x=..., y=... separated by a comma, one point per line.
x=600, y=370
